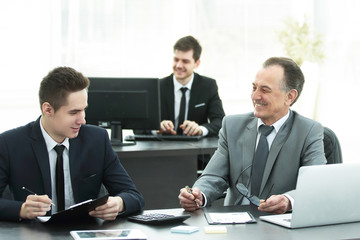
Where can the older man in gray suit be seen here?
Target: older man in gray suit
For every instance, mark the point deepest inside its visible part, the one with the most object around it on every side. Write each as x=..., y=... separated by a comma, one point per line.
x=294, y=141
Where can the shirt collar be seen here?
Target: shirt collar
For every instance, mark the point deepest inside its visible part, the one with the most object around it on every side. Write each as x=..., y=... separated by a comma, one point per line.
x=51, y=143
x=278, y=124
x=178, y=85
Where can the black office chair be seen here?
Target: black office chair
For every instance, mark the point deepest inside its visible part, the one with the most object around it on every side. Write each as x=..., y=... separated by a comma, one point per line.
x=332, y=147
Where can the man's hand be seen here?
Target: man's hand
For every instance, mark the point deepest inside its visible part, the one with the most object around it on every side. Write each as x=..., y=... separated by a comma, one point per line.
x=277, y=204
x=167, y=126
x=109, y=210
x=34, y=206
x=187, y=200
x=191, y=128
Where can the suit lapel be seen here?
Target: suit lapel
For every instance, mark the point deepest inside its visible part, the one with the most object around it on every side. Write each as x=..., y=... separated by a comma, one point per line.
x=74, y=151
x=42, y=156
x=194, y=94
x=247, y=146
x=275, y=148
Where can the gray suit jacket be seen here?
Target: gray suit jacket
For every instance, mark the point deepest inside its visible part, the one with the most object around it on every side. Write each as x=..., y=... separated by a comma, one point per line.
x=298, y=143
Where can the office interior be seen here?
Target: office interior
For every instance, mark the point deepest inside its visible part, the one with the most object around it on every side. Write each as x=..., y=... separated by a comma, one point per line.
x=134, y=38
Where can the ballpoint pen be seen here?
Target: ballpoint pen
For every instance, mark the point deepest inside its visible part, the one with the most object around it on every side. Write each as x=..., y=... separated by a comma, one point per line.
x=31, y=192
x=189, y=191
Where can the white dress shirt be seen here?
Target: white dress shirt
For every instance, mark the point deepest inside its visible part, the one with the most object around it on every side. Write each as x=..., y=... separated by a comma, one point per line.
x=50, y=144
x=177, y=100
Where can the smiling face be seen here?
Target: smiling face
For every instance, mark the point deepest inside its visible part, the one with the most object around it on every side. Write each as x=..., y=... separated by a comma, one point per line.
x=67, y=120
x=184, y=66
x=271, y=102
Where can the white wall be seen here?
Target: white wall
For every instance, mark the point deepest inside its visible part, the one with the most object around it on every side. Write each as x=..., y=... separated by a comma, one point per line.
x=135, y=38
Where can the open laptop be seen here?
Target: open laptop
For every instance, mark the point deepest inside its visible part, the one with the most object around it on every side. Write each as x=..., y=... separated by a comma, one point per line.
x=325, y=194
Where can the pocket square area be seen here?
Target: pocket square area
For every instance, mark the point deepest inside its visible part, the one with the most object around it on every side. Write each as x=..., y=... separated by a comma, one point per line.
x=199, y=105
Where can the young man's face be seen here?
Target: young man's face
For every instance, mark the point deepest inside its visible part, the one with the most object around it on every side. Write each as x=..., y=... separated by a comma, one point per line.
x=67, y=120
x=270, y=102
x=184, y=65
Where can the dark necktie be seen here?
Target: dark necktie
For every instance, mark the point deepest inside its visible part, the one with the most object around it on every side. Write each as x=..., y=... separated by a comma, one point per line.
x=260, y=158
x=182, y=110
x=60, y=177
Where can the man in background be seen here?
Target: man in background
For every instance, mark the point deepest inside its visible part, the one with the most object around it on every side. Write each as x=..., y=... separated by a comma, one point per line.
x=61, y=159
x=259, y=153
x=190, y=103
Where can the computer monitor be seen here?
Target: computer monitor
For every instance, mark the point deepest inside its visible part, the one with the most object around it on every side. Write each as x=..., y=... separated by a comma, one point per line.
x=123, y=103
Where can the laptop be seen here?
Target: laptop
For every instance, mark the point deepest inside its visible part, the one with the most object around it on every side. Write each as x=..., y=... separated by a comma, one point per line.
x=325, y=194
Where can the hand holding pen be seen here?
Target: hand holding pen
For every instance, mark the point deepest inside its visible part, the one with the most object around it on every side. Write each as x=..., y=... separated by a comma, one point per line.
x=188, y=189
x=35, y=205
x=31, y=192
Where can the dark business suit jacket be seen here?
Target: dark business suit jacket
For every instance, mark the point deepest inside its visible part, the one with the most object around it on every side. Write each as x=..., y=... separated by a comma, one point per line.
x=205, y=105
x=24, y=161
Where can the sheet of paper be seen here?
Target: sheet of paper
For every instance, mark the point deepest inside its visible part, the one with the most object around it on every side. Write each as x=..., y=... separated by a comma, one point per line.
x=233, y=217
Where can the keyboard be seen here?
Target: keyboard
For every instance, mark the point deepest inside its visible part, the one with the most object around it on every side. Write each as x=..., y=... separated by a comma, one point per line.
x=159, y=137
x=158, y=218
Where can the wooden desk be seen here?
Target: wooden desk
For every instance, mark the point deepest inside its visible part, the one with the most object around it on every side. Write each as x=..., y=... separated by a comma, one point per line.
x=257, y=231
x=160, y=168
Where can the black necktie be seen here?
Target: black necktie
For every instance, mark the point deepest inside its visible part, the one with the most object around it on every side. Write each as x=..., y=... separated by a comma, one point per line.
x=182, y=110
x=60, y=178
x=260, y=158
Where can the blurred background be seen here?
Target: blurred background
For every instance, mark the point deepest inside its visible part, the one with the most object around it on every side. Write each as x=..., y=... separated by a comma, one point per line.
x=134, y=38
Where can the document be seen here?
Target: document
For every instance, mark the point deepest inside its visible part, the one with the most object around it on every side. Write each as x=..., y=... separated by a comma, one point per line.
x=74, y=212
x=229, y=218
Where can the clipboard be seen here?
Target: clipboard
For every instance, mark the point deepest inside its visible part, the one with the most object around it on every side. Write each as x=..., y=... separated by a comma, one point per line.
x=75, y=212
x=215, y=218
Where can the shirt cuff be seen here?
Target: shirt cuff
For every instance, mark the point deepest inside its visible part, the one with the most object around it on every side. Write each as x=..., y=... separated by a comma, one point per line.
x=204, y=130
x=292, y=200
x=205, y=200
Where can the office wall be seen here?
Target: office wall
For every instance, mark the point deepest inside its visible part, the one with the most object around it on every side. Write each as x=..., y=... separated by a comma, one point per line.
x=135, y=38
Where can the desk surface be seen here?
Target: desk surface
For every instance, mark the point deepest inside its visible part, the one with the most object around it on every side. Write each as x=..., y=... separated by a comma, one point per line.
x=259, y=230
x=154, y=148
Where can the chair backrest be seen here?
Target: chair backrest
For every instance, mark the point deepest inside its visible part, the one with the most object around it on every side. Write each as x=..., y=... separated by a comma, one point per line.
x=332, y=147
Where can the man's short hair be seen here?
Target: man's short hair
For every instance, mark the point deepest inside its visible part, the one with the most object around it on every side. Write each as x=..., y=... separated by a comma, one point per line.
x=186, y=44
x=293, y=76
x=58, y=84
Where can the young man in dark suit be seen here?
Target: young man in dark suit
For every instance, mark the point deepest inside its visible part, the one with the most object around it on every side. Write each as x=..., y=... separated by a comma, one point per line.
x=203, y=111
x=29, y=157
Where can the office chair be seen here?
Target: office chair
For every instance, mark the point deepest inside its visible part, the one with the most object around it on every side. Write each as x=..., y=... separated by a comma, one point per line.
x=332, y=147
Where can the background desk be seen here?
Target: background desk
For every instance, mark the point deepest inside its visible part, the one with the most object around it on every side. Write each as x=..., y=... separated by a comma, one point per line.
x=260, y=230
x=160, y=168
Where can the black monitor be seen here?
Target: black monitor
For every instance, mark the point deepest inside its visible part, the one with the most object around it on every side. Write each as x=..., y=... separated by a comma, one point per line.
x=123, y=103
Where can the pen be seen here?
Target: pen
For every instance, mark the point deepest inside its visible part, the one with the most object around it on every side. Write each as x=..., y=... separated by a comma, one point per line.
x=189, y=191
x=31, y=192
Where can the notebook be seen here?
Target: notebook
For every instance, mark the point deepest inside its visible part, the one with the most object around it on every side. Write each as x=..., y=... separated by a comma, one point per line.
x=325, y=194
